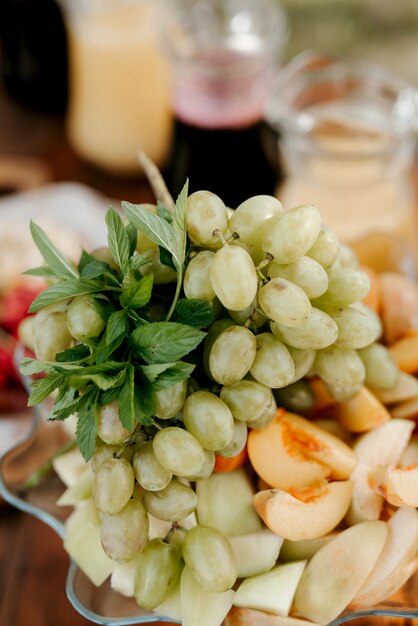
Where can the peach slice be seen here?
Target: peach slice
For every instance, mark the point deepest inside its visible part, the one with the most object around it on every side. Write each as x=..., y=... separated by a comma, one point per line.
x=338, y=570
x=249, y=617
x=405, y=389
x=399, y=305
x=405, y=352
x=361, y=413
x=382, y=445
x=410, y=455
x=393, y=567
x=407, y=409
x=295, y=519
x=398, y=485
x=323, y=398
x=292, y=452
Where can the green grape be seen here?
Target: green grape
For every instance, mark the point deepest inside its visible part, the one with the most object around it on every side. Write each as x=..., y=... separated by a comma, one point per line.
x=342, y=370
x=258, y=319
x=102, y=453
x=267, y=417
x=125, y=534
x=381, y=370
x=318, y=331
x=252, y=217
x=306, y=273
x=346, y=257
x=208, y=553
x=83, y=320
x=208, y=419
x=273, y=366
x=178, y=451
x=231, y=355
x=247, y=399
x=51, y=334
x=148, y=471
x=168, y=401
x=207, y=467
x=162, y=273
x=214, y=331
x=205, y=213
x=284, y=302
x=325, y=249
x=196, y=283
x=171, y=504
x=292, y=233
x=346, y=286
x=303, y=361
x=238, y=442
x=143, y=242
x=157, y=572
x=297, y=397
x=109, y=426
x=358, y=326
x=233, y=277
x=113, y=485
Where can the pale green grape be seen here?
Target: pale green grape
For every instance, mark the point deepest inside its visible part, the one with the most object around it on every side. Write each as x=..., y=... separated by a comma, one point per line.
x=207, y=467
x=233, y=277
x=318, y=331
x=342, y=370
x=346, y=286
x=284, y=302
x=358, y=326
x=214, y=331
x=168, y=401
x=143, y=242
x=308, y=274
x=196, y=283
x=346, y=257
x=102, y=453
x=51, y=334
x=150, y=474
x=109, y=426
x=267, y=417
x=303, y=361
x=178, y=451
x=381, y=370
x=247, y=399
x=238, y=442
x=208, y=419
x=252, y=217
x=325, y=249
x=273, y=366
x=171, y=504
x=297, y=397
x=83, y=320
x=205, y=213
x=231, y=355
x=158, y=570
x=292, y=233
x=162, y=273
x=208, y=553
x=258, y=319
x=125, y=534
x=113, y=485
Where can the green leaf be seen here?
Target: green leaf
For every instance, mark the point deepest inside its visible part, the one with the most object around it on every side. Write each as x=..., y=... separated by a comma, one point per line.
x=108, y=396
x=104, y=352
x=103, y=306
x=164, y=342
x=28, y=367
x=137, y=261
x=85, y=259
x=117, y=326
x=152, y=371
x=65, y=405
x=133, y=238
x=43, y=387
x=77, y=353
x=164, y=213
x=104, y=380
x=136, y=293
x=95, y=269
x=51, y=255
x=173, y=375
x=66, y=289
x=40, y=271
x=118, y=238
x=126, y=400
x=193, y=312
x=86, y=432
x=167, y=259
x=144, y=404
x=179, y=223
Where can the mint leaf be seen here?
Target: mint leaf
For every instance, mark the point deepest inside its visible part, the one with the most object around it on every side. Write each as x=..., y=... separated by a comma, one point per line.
x=167, y=259
x=118, y=238
x=193, y=312
x=103, y=306
x=85, y=259
x=43, y=387
x=66, y=289
x=136, y=293
x=102, y=380
x=51, y=255
x=117, y=325
x=133, y=238
x=86, y=432
x=104, y=352
x=126, y=399
x=78, y=353
x=173, y=375
x=65, y=405
x=164, y=213
x=95, y=269
x=151, y=372
x=179, y=223
x=164, y=342
x=40, y=271
x=28, y=367
x=137, y=261
x=144, y=404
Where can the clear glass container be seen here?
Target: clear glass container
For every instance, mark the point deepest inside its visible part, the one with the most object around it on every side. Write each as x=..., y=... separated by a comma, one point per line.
x=347, y=145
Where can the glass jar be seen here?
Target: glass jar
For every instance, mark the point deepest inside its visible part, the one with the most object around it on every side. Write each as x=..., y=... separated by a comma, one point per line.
x=347, y=145
x=119, y=100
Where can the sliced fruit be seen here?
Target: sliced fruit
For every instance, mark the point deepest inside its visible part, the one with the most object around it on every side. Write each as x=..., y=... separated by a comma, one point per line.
x=410, y=455
x=123, y=577
x=199, y=606
x=399, y=305
x=171, y=607
x=405, y=389
x=334, y=428
x=305, y=549
x=255, y=553
x=70, y=466
x=382, y=445
x=273, y=591
x=407, y=409
x=405, y=352
x=249, y=617
x=372, y=300
x=296, y=520
x=323, y=398
x=82, y=489
x=393, y=566
x=224, y=501
x=398, y=485
x=338, y=570
x=362, y=413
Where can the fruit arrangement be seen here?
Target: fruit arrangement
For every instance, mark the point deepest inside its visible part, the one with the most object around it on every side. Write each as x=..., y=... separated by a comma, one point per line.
x=230, y=395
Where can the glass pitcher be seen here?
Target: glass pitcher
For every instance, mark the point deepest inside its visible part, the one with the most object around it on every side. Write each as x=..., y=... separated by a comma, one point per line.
x=347, y=145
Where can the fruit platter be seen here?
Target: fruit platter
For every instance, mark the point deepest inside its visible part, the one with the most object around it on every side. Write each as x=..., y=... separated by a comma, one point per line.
x=225, y=408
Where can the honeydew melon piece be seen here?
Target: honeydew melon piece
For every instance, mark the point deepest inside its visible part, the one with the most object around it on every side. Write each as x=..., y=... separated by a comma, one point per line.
x=171, y=607
x=82, y=489
x=255, y=552
x=123, y=577
x=304, y=549
x=202, y=607
x=249, y=617
x=69, y=466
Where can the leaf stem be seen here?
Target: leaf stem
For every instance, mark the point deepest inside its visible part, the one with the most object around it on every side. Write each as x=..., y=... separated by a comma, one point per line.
x=176, y=297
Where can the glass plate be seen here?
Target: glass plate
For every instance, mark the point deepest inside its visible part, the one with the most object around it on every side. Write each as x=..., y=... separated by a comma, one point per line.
x=102, y=605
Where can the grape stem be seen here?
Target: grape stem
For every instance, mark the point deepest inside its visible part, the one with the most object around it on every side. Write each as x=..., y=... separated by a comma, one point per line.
x=156, y=181
x=217, y=233
x=267, y=259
